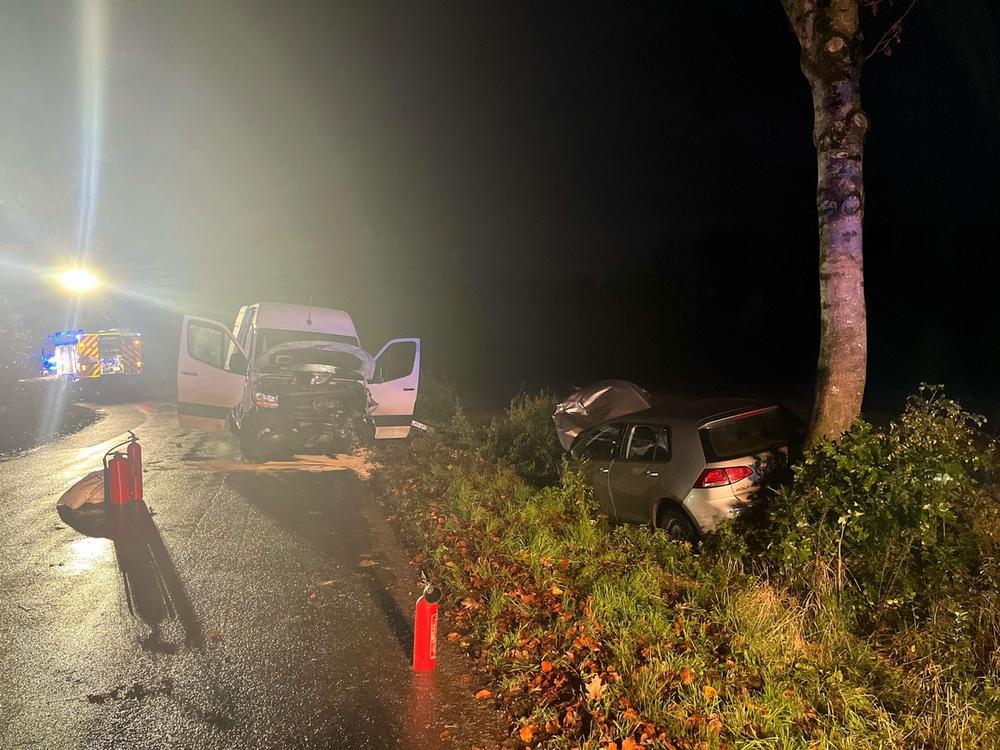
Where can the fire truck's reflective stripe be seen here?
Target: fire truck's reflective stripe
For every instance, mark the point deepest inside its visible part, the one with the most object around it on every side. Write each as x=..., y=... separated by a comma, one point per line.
x=131, y=351
x=90, y=360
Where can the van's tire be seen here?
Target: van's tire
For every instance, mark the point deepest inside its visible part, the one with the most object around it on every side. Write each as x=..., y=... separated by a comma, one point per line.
x=674, y=522
x=251, y=447
x=257, y=437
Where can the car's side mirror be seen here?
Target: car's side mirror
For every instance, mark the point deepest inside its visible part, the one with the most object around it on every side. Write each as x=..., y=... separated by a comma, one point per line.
x=238, y=363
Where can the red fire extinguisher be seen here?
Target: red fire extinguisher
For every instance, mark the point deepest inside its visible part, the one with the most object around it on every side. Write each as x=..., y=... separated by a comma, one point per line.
x=123, y=472
x=425, y=622
x=134, y=454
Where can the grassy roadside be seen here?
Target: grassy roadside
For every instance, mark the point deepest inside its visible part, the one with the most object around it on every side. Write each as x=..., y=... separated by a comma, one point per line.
x=603, y=636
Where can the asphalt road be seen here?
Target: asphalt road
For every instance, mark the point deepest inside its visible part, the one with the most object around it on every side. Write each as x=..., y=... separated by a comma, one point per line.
x=247, y=609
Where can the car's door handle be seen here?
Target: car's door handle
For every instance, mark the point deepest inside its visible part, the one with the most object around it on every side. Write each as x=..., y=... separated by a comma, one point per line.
x=409, y=389
x=605, y=471
x=652, y=473
x=192, y=374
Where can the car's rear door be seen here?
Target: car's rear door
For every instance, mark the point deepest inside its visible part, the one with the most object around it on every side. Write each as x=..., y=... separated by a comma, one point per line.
x=206, y=391
x=394, y=387
x=634, y=478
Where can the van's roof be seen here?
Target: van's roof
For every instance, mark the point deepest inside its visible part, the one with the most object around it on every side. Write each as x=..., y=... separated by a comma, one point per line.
x=287, y=317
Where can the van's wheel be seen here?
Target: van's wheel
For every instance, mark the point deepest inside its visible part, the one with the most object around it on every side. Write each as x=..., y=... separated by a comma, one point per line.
x=252, y=443
x=675, y=524
x=251, y=447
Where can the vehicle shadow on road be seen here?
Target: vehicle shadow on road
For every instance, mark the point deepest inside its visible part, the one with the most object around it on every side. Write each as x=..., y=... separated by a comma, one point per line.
x=154, y=591
x=326, y=510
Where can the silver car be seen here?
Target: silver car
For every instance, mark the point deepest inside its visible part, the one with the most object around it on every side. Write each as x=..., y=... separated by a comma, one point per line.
x=686, y=467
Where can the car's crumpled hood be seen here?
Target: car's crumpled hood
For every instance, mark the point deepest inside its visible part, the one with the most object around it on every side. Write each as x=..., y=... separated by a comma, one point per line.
x=363, y=362
x=597, y=403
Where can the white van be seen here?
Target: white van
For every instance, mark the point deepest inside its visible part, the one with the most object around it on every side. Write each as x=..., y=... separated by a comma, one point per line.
x=292, y=377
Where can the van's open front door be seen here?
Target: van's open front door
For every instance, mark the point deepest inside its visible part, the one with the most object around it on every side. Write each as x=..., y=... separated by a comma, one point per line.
x=394, y=387
x=206, y=391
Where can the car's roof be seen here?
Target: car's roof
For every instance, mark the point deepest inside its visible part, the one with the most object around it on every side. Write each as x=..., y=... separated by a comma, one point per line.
x=699, y=411
x=304, y=318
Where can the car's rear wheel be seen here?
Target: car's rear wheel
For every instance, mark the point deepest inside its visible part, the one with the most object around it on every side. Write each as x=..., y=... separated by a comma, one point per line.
x=675, y=524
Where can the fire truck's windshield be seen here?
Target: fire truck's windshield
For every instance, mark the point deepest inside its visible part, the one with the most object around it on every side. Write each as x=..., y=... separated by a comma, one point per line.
x=268, y=338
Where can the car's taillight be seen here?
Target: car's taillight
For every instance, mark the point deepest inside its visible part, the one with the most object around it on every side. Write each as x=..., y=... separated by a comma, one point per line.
x=738, y=473
x=722, y=477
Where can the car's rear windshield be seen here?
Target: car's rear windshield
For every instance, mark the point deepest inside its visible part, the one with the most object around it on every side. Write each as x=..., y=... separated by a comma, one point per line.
x=746, y=435
x=268, y=338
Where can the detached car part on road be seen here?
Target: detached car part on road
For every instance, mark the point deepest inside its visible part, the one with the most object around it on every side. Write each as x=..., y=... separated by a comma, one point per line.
x=292, y=377
x=684, y=467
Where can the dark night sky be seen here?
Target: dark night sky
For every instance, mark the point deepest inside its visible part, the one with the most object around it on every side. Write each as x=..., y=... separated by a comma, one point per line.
x=547, y=193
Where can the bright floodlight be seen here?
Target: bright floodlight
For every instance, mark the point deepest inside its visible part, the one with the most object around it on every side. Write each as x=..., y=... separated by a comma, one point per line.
x=78, y=280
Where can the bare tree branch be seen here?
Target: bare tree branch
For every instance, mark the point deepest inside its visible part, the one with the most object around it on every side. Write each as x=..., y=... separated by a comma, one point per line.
x=890, y=33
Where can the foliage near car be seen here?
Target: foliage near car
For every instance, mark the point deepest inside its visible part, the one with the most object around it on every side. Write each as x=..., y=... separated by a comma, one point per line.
x=522, y=437
x=614, y=636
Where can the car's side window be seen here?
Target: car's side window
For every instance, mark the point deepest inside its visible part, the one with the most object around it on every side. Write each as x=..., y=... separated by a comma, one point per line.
x=648, y=443
x=603, y=444
x=206, y=343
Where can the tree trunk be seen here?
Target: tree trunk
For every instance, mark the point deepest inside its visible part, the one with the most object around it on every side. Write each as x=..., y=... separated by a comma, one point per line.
x=830, y=39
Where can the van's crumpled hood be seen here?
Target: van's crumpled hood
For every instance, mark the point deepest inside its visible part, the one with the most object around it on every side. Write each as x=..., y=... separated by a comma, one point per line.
x=354, y=359
x=597, y=403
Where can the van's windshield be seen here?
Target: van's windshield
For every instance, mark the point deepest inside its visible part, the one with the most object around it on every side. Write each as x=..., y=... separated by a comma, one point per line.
x=268, y=338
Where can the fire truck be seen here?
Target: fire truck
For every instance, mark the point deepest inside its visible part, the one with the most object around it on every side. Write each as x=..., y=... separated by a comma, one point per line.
x=92, y=356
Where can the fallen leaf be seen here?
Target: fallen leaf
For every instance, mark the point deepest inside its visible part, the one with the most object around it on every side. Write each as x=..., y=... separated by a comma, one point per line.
x=556, y=591
x=484, y=693
x=714, y=725
x=367, y=563
x=326, y=583
x=465, y=678
x=629, y=744
x=546, y=666
x=445, y=734
x=709, y=692
x=212, y=634
x=453, y=636
x=312, y=596
x=527, y=732
x=595, y=688
x=687, y=676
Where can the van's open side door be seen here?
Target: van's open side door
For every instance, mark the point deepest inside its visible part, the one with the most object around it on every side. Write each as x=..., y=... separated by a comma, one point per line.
x=206, y=390
x=394, y=387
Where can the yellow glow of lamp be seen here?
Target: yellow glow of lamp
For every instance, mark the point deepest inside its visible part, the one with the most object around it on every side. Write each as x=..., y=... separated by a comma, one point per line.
x=78, y=280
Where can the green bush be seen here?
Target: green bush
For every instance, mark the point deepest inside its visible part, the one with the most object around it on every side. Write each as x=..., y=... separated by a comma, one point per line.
x=441, y=408
x=898, y=523
x=524, y=438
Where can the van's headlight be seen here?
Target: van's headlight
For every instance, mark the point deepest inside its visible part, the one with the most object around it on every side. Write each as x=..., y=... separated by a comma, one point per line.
x=266, y=400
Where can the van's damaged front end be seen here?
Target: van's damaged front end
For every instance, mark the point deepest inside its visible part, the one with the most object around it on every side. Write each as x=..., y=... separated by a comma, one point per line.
x=308, y=395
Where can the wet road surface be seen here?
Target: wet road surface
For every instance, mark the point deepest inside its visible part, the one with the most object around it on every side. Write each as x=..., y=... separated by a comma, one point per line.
x=246, y=609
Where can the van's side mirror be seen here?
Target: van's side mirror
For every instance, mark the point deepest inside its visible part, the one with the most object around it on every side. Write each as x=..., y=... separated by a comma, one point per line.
x=238, y=363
